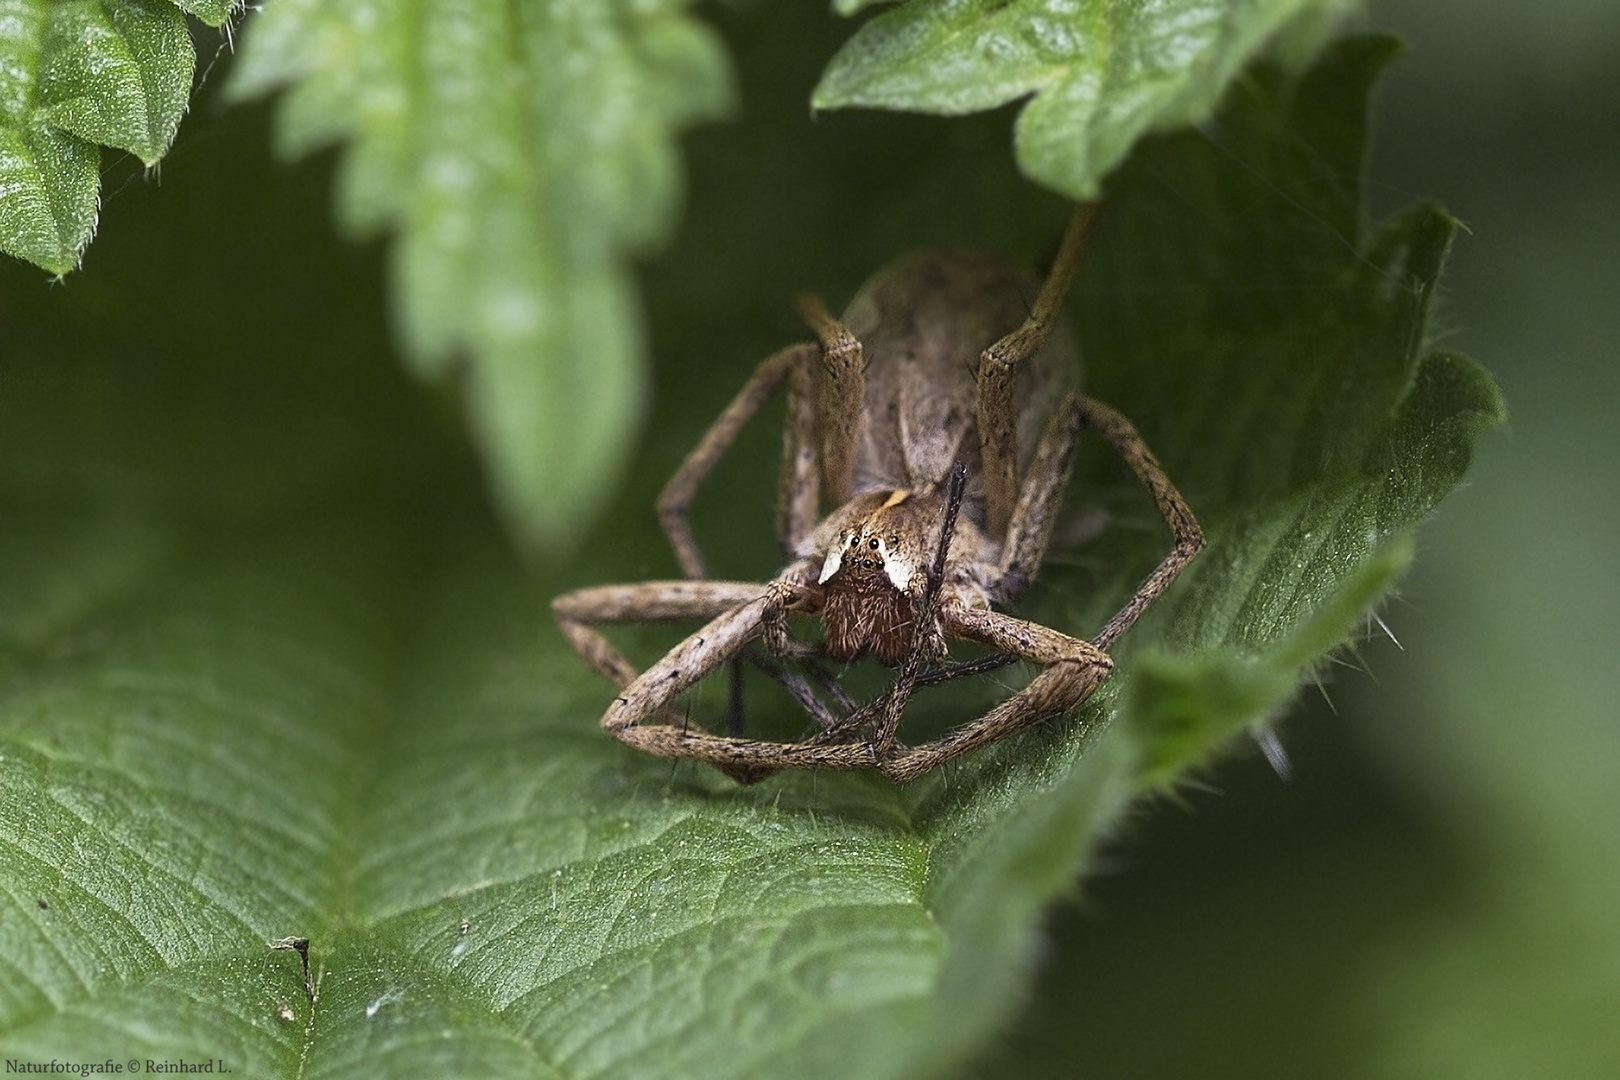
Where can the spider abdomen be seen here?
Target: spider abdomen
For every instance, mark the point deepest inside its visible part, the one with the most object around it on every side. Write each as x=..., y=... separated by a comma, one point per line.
x=923, y=323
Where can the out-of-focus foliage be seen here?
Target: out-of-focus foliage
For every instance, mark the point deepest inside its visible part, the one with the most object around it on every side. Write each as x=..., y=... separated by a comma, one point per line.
x=76, y=75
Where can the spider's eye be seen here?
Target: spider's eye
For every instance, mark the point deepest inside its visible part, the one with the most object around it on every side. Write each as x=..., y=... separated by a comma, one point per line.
x=872, y=543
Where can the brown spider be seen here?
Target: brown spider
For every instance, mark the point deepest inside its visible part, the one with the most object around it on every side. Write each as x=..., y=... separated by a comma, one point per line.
x=939, y=418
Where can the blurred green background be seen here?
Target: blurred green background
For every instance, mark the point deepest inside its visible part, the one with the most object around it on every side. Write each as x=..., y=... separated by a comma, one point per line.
x=1436, y=890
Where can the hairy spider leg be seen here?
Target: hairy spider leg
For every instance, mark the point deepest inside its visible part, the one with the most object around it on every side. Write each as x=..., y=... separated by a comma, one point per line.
x=675, y=500
x=657, y=601
x=997, y=376
x=1184, y=528
x=797, y=507
x=840, y=398
x=1074, y=668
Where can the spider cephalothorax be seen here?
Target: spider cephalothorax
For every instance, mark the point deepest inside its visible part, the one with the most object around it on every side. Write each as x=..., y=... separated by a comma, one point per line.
x=871, y=580
x=937, y=420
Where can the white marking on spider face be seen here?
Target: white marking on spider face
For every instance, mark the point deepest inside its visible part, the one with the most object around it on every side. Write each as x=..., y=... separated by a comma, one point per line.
x=899, y=570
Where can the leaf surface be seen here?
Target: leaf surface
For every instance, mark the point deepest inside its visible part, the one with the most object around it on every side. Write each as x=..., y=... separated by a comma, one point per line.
x=1098, y=75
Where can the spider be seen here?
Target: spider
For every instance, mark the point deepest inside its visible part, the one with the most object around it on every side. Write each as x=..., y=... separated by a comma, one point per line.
x=938, y=419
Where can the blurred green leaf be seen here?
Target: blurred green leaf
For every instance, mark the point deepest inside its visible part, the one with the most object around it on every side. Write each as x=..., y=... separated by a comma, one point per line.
x=1098, y=75
x=75, y=74
x=524, y=153
x=267, y=670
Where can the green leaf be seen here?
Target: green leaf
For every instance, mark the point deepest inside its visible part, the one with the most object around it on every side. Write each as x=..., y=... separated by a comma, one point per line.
x=50, y=181
x=523, y=152
x=1098, y=75
x=268, y=669
x=75, y=74
x=1186, y=706
x=1318, y=444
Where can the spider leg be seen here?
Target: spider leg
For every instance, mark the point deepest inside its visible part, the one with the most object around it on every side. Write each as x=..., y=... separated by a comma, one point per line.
x=840, y=398
x=855, y=719
x=1036, y=512
x=720, y=601
x=744, y=760
x=829, y=682
x=1178, y=516
x=676, y=497
x=732, y=626
x=651, y=693
x=796, y=685
x=967, y=668
x=997, y=378
x=647, y=602
x=798, y=487
x=1074, y=670
x=651, y=601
